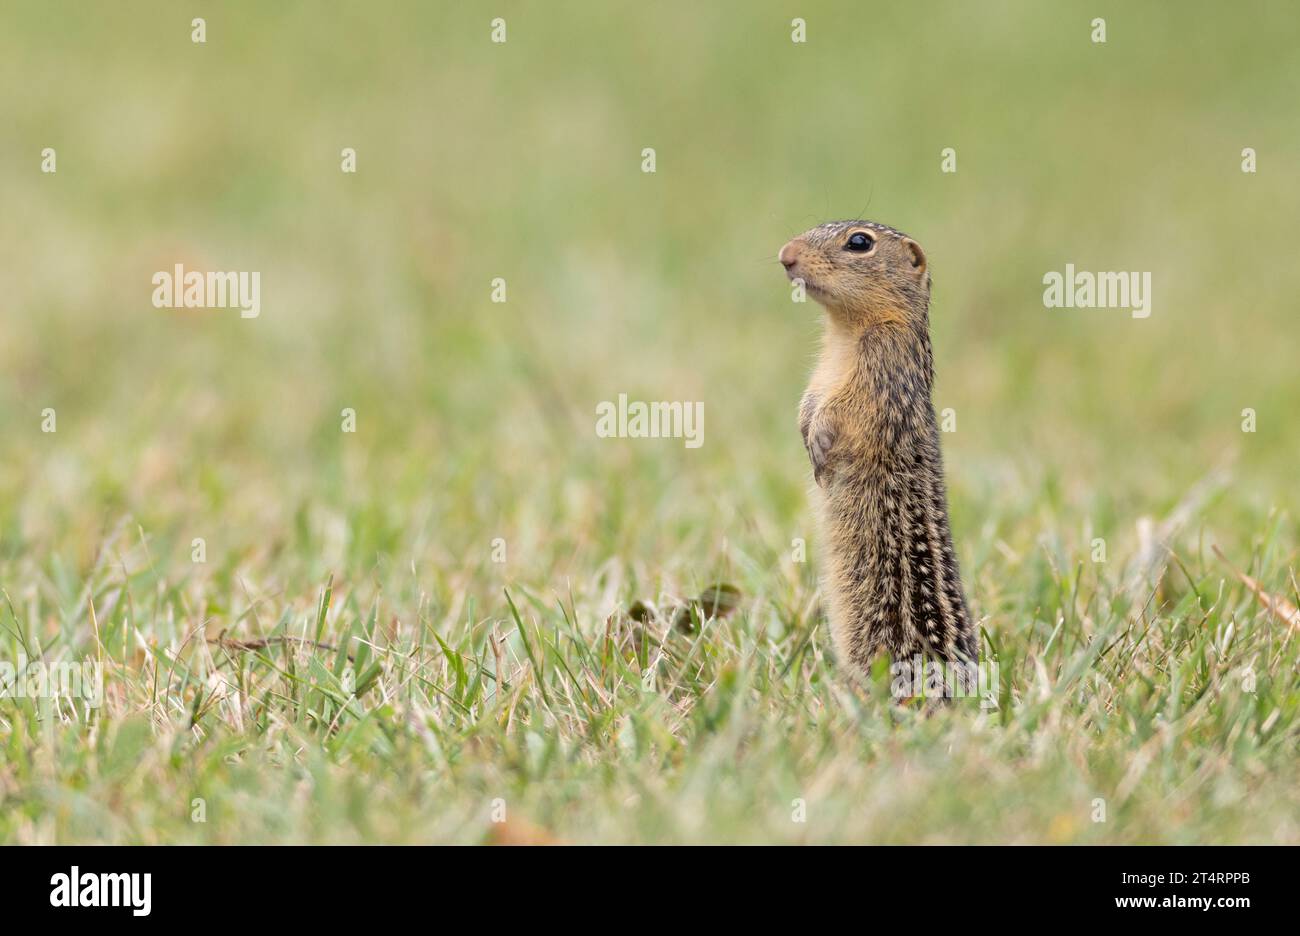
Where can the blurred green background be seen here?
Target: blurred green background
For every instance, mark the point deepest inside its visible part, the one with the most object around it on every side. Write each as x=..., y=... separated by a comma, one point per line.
x=522, y=160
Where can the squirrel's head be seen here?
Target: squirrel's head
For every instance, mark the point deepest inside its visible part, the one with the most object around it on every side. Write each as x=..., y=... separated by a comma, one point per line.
x=864, y=273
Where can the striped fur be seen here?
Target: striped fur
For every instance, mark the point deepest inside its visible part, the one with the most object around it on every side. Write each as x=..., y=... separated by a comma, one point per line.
x=891, y=581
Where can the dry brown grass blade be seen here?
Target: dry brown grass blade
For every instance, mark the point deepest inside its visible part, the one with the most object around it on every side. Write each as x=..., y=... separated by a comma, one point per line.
x=261, y=643
x=1280, y=608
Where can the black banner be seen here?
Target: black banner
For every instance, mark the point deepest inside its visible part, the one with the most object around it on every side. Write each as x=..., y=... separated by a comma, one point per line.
x=137, y=885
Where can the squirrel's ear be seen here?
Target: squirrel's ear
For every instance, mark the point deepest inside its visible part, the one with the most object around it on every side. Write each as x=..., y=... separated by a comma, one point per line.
x=916, y=254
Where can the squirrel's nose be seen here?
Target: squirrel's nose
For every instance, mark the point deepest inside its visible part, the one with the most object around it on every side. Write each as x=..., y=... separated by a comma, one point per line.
x=789, y=254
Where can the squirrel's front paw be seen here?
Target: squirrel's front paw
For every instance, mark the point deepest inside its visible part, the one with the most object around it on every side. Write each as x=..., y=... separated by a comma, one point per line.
x=820, y=441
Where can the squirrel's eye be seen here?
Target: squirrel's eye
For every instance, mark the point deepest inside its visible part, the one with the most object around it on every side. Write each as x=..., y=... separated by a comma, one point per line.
x=860, y=242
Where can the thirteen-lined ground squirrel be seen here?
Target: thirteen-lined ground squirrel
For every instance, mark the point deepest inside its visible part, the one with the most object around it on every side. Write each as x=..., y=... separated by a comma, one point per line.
x=890, y=579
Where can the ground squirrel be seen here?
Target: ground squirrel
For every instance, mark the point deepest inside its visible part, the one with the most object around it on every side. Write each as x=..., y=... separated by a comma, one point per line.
x=890, y=581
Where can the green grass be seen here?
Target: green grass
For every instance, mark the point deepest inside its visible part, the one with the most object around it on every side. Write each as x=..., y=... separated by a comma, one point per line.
x=1154, y=681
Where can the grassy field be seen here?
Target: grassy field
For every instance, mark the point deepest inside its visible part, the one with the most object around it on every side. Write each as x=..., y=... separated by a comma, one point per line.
x=455, y=689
